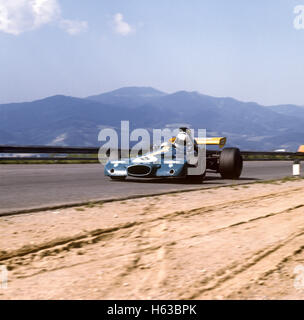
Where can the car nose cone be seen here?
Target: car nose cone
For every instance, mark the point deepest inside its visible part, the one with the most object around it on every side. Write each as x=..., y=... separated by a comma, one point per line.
x=139, y=170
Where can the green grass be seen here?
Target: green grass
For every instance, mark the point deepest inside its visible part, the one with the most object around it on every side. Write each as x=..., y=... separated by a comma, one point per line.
x=272, y=157
x=47, y=161
x=283, y=180
x=72, y=159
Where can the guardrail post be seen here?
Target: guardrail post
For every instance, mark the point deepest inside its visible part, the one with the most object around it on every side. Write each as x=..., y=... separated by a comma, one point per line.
x=296, y=170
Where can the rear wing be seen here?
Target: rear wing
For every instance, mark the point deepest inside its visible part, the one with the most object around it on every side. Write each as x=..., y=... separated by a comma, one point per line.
x=212, y=141
x=208, y=141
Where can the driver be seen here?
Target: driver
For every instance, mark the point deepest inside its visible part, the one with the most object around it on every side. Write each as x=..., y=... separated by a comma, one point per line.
x=184, y=139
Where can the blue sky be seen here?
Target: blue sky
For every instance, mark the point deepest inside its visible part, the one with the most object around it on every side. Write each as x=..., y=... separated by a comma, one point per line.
x=245, y=49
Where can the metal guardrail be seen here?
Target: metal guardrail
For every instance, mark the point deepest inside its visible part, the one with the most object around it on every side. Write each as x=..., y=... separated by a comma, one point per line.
x=50, y=150
x=256, y=155
x=47, y=158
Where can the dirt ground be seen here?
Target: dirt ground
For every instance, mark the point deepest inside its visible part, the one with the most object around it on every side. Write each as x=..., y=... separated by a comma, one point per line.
x=240, y=242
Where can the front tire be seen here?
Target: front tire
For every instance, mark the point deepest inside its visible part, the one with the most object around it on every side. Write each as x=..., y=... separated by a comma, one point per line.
x=231, y=163
x=196, y=179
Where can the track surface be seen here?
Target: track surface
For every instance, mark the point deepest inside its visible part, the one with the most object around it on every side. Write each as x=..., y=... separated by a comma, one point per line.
x=240, y=242
x=31, y=186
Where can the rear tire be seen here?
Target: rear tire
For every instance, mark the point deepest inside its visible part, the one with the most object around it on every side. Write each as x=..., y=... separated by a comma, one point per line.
x=231, y=163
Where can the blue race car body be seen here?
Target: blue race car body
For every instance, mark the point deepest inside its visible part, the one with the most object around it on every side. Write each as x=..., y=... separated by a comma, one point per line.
x=161, y=163
x=164, y=162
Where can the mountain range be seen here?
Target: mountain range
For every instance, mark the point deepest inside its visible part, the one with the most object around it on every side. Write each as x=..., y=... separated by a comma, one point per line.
x=70, y=121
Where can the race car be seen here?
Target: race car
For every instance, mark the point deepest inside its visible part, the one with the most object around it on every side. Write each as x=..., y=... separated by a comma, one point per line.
x=165, y=161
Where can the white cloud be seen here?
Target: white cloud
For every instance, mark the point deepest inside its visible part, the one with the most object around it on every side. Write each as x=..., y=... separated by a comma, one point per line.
x=45, y=11
x=73, y=27
x=120, y=26
x=18, y=16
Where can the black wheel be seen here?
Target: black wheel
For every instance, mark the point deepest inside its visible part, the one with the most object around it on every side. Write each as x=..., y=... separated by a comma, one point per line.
x=231, y=163
x=118, y=178
x=196, y=179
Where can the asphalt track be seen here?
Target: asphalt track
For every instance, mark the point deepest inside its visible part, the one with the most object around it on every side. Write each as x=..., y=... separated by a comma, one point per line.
x=33, y=186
